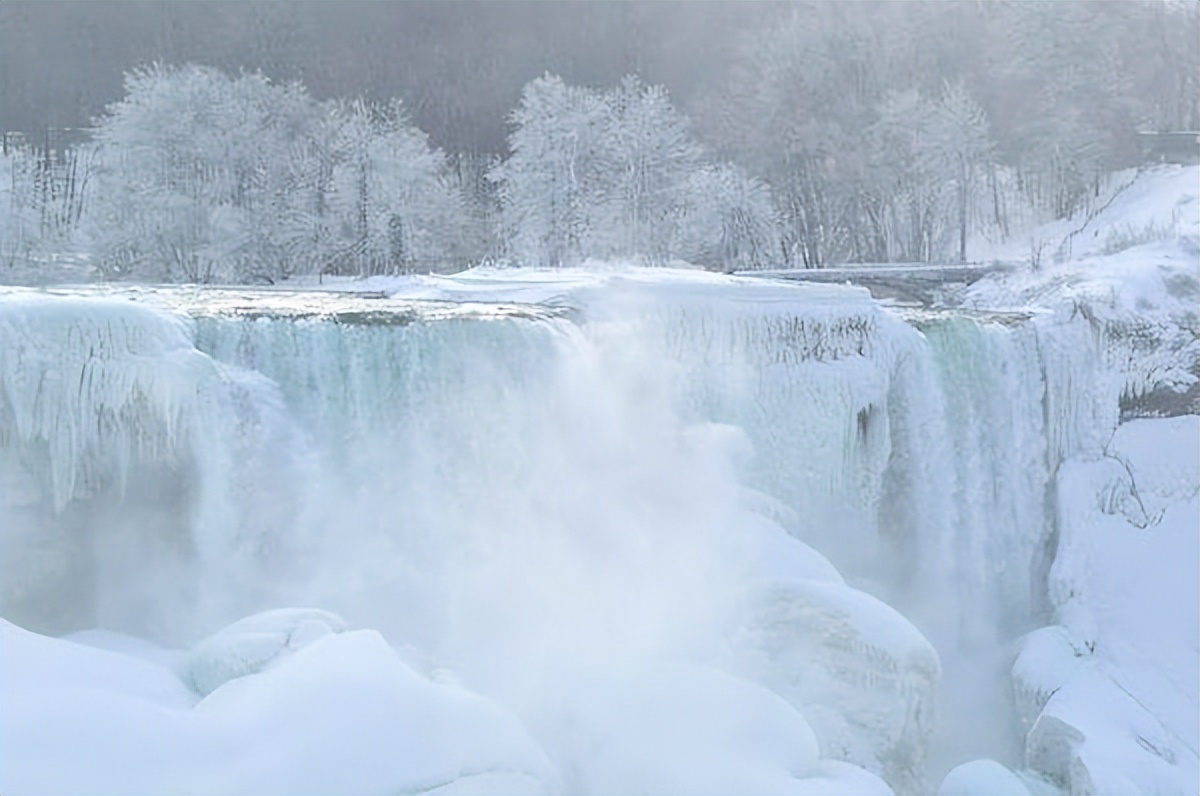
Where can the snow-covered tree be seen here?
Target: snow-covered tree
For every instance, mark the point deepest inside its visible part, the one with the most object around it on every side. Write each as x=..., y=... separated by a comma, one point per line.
x=618, y=175
x=645, y=157
x=924, y=156
x=729, y=220
x=208, y=177
x=179, y=165
x=546, y=182
x=19, y=223
x=396, y=209
x=42, y=197
x=960, y=129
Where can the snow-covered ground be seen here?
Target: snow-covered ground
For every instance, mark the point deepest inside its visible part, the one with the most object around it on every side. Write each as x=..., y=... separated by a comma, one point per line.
x=610, y=530
x=1133, y=207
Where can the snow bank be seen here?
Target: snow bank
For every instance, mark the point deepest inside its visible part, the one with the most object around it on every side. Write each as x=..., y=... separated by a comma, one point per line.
x=1118, y=681
x=343, y=715
x=1133, y=207
x=132, y=461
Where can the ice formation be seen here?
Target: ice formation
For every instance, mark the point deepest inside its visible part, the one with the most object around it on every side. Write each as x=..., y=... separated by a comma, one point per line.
x=620, y=530
x=111, y=418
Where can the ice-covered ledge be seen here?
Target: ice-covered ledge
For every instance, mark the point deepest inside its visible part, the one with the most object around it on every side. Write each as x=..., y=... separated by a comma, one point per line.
x=339, y=306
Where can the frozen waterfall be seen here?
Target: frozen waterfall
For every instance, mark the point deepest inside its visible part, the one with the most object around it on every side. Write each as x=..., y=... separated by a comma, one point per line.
x=617, y=510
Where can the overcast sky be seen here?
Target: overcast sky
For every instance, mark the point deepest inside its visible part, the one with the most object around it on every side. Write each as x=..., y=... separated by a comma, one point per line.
x=459, y=66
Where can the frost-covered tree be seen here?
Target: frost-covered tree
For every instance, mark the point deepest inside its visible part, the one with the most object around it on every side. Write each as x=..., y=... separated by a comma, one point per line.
x=644, y=160
x=1043, y=99
x=960, y=129
x=42, y=197
x=395, y=207
x=546, y=182
x=206, y=177
x=729, y=220
x=19, y=223
x=183, y=168
x=924, y=156
x=617, y=174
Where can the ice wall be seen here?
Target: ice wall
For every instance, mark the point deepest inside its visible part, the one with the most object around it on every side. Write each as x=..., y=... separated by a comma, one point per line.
x=126, y=455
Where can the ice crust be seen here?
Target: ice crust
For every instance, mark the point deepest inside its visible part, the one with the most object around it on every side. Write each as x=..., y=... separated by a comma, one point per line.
x=104, y=406
x=92, y=384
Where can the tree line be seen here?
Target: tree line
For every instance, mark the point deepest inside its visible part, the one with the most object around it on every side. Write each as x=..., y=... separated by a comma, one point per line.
x=833, y=136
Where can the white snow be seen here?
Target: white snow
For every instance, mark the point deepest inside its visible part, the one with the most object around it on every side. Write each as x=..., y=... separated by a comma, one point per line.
x=254, y=644
x=1123, y=717
x=343, y=715
x=1133, y=207
x=982, y=778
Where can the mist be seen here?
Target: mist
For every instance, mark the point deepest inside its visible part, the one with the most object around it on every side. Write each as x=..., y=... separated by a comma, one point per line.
x=459, y=67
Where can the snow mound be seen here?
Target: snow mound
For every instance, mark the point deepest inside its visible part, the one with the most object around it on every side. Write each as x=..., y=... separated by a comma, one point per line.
x=342, y=715
x=684, y=728
x=982, y=778
x=353, y=718
x=255, y=643
x=862, y=674
x=1046, y=662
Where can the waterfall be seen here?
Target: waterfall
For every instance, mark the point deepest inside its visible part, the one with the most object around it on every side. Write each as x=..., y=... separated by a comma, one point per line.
x=844, y=503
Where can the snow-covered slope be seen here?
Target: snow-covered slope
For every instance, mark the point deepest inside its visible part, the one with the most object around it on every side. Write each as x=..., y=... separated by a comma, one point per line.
x=1132, y=207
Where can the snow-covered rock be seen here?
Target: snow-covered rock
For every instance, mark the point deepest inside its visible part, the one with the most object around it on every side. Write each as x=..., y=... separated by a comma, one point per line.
x=255, y=643
x=681, y=728
x=862, y=675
